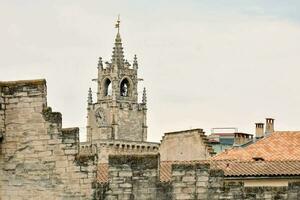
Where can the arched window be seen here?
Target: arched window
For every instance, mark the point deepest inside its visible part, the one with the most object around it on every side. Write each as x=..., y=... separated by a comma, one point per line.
x=124, y=88
x=107, y=88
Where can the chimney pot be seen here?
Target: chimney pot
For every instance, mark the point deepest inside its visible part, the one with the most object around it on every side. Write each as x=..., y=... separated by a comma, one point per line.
x=259, y=130
x=269, y=126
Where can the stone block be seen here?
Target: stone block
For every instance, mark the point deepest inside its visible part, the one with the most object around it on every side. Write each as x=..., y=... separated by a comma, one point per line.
x=202, y=178
x=125, y=174
x=188, y=179
x=201, y=184
x=71, y=151
x=184, y=196
x=61, y=164
x=125, y=185
x=44, y=153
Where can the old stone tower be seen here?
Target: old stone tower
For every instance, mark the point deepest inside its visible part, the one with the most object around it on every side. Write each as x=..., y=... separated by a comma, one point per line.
x=117, y=115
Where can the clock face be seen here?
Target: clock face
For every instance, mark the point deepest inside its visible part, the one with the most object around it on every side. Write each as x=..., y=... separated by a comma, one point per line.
x=100, y=116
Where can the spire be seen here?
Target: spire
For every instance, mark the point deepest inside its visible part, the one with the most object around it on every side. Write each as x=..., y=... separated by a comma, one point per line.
x=144, y=99
x=100, y=64
x=118, y=54
x=135, y=62
x=90, y=97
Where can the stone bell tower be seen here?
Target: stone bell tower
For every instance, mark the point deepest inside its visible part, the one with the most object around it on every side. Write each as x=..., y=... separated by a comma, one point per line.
x=117, y=115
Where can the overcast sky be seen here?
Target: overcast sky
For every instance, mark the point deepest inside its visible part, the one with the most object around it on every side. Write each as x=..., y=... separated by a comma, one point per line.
x=205, y=63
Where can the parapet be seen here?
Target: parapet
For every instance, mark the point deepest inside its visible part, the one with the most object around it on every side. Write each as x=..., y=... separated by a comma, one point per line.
x=28, y=87
x=185, y=145
x=120, y=147
x=142, y=162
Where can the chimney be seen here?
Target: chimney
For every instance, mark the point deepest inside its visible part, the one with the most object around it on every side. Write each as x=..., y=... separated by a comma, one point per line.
x=269, y=126
x=259, y=130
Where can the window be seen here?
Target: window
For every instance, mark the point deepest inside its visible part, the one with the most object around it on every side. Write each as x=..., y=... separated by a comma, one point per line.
x=124, y=88
x=107, y=88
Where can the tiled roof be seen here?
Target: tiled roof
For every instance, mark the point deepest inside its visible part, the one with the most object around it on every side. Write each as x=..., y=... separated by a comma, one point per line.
x=279, y=155
x=279, y=146
x=239, y=168
x=257, y=168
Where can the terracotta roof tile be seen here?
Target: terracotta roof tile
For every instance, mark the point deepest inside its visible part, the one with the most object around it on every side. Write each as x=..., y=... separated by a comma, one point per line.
x=281, y=145
x=239, y=168
x=258, y=168
x=280, y=152
x=102, y=173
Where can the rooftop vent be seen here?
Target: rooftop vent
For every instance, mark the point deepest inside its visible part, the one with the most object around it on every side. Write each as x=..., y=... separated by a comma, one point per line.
x=258, y=159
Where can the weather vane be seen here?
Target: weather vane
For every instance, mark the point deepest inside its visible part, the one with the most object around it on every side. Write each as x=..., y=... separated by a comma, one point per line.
x=118, y=23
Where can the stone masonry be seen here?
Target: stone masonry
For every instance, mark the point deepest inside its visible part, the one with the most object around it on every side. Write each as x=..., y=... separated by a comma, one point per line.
x=136, y=177
x=38, y=158
x=117, y=114
x=41, y=160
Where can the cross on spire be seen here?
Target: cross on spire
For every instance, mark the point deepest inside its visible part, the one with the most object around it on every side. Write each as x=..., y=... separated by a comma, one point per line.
x=118, y=54
x=118, y=24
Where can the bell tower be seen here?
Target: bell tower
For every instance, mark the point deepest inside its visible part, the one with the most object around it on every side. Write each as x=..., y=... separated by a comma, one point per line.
x=117, y=114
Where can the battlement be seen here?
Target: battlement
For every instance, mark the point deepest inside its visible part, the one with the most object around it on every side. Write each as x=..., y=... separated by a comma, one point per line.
x=23, y=87
x=37, y=156
x=119, y=147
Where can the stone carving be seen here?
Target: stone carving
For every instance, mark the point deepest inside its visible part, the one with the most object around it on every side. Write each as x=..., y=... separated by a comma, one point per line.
x=100, y=117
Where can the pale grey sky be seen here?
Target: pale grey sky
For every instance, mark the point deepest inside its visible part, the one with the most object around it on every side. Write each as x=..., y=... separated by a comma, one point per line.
x=206, y=63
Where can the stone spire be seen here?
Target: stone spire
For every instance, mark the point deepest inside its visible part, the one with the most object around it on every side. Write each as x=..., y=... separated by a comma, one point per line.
x=100, y=64
x=118, y=53
x=90, y=97
x=135, y=62
x=144, y=99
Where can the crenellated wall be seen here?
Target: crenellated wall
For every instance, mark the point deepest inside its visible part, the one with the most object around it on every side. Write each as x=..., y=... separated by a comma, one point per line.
x=39, y=159
x=104, y=148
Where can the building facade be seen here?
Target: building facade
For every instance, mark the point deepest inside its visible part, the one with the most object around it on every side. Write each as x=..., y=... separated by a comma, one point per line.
x=117, y=114
x=39, y=159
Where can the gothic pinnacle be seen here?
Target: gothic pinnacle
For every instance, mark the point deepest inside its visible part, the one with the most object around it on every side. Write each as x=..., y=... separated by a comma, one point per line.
x=90, y=97
x=118, y=54
x=100, y=64
x=135, y=62
x=144, y=99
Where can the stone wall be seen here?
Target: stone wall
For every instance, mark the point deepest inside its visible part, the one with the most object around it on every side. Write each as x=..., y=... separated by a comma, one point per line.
x=133, y=177
x=200, y=182
x=104, y=148
x=136, y=178
x=123, y=121
x=196, y=182
x=185, y=146
x=2, y=106
x=38, y=159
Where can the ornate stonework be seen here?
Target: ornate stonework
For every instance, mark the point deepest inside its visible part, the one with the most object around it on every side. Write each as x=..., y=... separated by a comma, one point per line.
x=117, y=114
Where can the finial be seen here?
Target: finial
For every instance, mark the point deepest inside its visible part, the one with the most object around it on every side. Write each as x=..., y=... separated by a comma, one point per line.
x=144, y=99
x=118, y=53
x=100, y=62
x=135, y=62
x=90, y=97
x=118, y=24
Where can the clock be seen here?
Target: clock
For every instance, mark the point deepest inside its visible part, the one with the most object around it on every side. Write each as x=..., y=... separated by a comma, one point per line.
x=100, y=116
